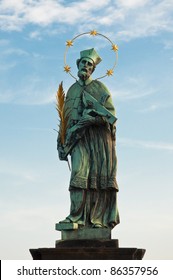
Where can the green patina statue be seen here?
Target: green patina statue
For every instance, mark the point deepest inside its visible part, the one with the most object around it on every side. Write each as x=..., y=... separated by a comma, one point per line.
x=90, y=141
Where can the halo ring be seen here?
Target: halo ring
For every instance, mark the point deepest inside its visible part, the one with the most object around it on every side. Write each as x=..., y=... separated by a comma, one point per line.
x=93, y=33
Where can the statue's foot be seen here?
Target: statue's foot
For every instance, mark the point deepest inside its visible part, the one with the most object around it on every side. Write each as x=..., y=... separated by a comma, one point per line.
x=65, y=221
x=97, y=226
x=112, y=225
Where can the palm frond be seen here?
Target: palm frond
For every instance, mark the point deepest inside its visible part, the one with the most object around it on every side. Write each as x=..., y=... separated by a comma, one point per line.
x=60, y=107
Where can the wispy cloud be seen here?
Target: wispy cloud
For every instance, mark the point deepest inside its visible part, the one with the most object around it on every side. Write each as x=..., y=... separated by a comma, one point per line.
x=168, y=44
x=3, y=42
x=156, y=107
x=133, y=88
x=146, y=144
x=6, y=66
x=16, y=175
x=131, y=18
x=35, y=35
x=125, y=94
x=28, y=87
x=14, y=51
x=145, y=20
x=36, y=92
x=5, y=97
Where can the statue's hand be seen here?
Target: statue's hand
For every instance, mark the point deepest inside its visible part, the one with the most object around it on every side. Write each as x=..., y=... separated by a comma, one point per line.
x=73, y=133
x=76, y=132
x=86, y=120
x=61, y=153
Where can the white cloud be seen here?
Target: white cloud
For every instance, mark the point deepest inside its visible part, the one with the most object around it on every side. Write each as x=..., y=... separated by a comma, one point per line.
x=45, y=12
x=130, y=18
x=131, y=4
x=35, y=35
x=12, y=5
x=11, y=22
x=146, y=144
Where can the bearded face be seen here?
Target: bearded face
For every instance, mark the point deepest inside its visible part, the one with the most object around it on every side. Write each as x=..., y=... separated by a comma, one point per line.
x=86, y=67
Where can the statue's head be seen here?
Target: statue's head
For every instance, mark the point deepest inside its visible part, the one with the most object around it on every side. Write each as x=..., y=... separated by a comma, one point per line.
x=87, y=63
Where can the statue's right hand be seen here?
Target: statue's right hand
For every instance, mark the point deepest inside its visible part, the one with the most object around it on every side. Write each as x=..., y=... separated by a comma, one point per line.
x=62, y=154
x=71, y=133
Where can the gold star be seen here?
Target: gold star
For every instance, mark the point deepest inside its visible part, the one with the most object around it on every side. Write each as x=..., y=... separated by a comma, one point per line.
x=69, y=43
x=93, y=33
x=67, y=68
x=114, y=47
x=109, y=72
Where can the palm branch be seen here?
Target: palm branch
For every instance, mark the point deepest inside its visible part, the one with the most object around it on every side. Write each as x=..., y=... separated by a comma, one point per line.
x=60, y=107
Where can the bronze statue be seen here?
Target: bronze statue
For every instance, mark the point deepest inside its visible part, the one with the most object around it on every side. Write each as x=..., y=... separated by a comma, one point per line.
x=89, y=139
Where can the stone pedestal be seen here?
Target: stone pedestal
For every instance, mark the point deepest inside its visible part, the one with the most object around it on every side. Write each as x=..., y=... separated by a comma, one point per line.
x=70, y=231
x=86, y=244
x=87, y=250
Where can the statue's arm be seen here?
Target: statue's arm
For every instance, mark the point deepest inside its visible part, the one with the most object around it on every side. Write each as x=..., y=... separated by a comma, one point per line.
x=61, y=153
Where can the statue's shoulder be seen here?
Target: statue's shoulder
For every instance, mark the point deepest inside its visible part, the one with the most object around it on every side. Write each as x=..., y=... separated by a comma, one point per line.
x=101, y=86
x=101, y=91
x=73, y=86
x=73, y=91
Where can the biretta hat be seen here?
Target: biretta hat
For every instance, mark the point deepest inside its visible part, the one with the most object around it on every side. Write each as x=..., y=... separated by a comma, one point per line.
x=92, y=54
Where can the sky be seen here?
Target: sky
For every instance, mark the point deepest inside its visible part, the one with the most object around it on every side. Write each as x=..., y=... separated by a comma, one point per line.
x=33, y=181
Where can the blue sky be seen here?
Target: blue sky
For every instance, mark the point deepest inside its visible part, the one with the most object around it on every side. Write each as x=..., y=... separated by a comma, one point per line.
x=33, y=182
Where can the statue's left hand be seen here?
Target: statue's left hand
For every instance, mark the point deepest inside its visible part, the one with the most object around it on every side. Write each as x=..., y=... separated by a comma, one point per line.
x=75, y=132
x=86, y=120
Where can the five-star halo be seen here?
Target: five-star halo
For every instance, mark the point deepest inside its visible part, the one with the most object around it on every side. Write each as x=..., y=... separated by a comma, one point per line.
x=69, y=44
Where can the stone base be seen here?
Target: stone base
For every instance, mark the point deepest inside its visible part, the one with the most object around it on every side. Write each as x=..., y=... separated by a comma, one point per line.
x=92, y=243
x=70, y=232
x=87, y=250
x=66, y=226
